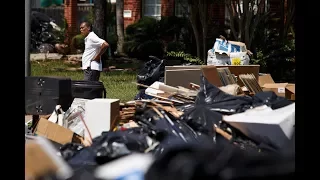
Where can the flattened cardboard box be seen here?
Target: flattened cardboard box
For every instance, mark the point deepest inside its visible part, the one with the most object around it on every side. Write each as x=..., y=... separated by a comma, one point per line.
x=56, y=132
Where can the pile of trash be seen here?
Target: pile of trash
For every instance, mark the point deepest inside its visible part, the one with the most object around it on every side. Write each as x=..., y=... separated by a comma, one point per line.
x=226, y=52
x=201, y=132
x=43, y=33
x=213, y=135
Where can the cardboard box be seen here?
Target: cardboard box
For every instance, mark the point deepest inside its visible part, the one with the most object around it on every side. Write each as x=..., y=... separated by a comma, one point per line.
x=236, y=70
x=56, y=133
x=41, y=159
x=265, y=79
x=227, y=53
x=100, y=115
x=183, y=75
x=291, y=91
x=286, y=90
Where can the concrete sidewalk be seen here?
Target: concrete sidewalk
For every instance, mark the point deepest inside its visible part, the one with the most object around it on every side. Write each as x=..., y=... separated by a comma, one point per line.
x=53, y=56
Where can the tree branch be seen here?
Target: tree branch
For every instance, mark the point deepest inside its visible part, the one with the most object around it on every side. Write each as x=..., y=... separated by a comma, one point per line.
x=232, y=24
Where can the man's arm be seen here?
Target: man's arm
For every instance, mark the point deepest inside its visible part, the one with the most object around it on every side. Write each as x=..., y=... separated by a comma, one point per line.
x=104, y=46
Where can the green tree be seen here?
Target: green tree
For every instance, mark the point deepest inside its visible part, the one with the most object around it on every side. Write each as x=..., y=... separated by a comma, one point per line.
x=198, y=17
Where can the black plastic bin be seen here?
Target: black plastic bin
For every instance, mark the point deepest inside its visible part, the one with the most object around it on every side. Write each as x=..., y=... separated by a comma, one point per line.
x=88, y=89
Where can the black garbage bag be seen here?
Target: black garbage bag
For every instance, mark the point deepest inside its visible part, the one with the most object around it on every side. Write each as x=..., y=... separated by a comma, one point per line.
x=151, y=71
x=221, y=162
x=217, y=100
x=252, y=143
x=224, y=103
x=41, y=17
x=166, y=129
x=107, y=147
x=166, y=125
x=42, y=33
x=46, y=48
x=200, y=118
x=68, y=150
x=270, y=99
x=117, y=144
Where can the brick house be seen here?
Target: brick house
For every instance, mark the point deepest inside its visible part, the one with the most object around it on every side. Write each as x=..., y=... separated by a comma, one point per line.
x=135, y=9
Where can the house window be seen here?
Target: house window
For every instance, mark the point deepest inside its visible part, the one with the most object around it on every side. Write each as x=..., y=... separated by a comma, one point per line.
x=181, y=8
x=152, y=8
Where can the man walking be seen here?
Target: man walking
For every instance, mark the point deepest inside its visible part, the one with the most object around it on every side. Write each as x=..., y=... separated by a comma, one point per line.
x=94, y=48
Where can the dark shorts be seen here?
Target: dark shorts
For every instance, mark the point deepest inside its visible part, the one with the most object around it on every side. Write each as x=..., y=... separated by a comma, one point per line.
x=91, y=75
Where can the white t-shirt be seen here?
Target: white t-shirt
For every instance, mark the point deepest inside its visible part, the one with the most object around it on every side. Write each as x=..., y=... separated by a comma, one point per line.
x=92, y=47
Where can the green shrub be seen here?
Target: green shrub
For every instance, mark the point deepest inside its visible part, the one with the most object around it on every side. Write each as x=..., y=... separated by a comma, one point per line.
x=176, y=46
x=278, y=59
x=78, y=42
x=143, y=39
x=62, y=34
x=186, y=57
x=148, y=36
x=112, y=39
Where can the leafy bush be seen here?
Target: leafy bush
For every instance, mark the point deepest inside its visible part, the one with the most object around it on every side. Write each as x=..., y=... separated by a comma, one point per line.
x=61, y=36
x=278, y=59
x=78, y=42
x=143, y=39
x=172, y=25
x=148, y=36
x=186, y=57
x=112, y=39
x=176, y=46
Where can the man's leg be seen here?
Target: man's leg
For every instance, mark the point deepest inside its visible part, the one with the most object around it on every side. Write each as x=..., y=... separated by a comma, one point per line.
x=87, y=74
x=95, y=75
x=91, y=75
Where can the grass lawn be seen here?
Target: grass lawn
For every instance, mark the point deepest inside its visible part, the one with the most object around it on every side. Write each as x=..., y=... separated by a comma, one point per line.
x=117, y=83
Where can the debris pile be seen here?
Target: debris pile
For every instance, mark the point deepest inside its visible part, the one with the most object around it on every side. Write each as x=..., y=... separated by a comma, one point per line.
x=200, y=131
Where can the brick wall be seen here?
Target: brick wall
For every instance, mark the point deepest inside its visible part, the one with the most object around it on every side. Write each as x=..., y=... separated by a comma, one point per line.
x=70, y=13
x=135, y=7
x=167, y=7
x=216, y=11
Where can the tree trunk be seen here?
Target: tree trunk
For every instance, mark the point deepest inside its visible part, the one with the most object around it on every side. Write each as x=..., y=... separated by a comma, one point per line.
x=193, y=20
x=289, y=18
x=120, y=26
x=282, y=19
x=203, y=14
x=99, y=23
x=247, y=20
x=234, y=18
